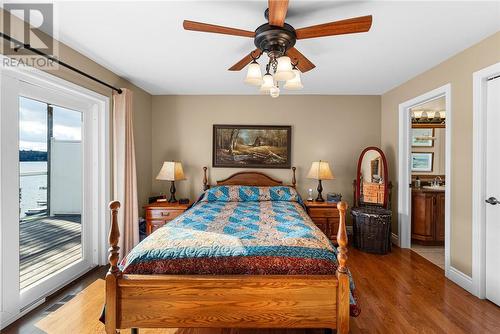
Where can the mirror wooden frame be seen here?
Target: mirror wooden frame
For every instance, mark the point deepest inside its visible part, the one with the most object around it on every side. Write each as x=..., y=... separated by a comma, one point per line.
x=357, y=193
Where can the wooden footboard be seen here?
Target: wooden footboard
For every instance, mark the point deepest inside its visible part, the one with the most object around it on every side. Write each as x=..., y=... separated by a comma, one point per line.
x=236, y=301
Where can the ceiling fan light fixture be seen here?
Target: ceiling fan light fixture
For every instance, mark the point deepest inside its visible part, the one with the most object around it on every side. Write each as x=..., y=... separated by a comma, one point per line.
x=267, y=83
x=254, y=74
x=284, y=69
x=294, y=83
x=274, y=91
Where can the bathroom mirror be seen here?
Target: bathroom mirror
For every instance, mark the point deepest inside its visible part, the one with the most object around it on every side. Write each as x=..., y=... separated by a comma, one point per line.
x=371, y=185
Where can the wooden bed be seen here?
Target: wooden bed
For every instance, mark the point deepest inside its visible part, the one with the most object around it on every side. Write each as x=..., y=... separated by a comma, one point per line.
x=242, y=301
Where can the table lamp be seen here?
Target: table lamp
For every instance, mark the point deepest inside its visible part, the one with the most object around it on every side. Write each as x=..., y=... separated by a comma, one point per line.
x=171, y=171
x=320, y=170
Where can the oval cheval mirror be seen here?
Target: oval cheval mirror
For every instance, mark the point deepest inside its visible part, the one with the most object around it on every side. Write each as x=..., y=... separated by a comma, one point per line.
x=372, y=186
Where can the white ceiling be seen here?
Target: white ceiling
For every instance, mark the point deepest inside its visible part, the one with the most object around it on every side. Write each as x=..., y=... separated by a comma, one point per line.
x=145, y=43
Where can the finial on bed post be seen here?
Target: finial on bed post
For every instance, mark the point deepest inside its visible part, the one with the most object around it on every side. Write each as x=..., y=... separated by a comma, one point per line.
x=342, y=239
x=205, y=179
x=114, y=236
x=294, y=180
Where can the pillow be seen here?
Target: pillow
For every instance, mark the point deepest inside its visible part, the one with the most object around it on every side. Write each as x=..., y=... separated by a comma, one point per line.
x=250, y=194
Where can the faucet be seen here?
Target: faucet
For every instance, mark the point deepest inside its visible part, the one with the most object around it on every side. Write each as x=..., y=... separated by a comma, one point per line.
x=437, y=181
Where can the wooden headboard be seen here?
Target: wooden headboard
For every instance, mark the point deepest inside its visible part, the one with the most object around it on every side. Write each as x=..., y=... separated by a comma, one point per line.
x=248, y=178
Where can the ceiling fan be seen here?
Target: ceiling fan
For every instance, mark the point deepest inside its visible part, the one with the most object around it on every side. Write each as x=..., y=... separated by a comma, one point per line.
x=277, y=40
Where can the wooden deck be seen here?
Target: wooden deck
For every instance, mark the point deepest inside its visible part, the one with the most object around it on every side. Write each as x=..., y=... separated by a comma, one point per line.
x=48, y=245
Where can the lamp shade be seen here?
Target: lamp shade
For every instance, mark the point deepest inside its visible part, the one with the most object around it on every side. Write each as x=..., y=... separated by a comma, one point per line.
x=274, y=91
x=254, y=75
x=284, y=69
x=171, y=171
x=294, y=83
x=320, y=170
x=267, y=83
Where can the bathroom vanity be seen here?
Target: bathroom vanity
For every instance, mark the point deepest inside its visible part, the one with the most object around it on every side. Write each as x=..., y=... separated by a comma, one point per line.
x=428, y=210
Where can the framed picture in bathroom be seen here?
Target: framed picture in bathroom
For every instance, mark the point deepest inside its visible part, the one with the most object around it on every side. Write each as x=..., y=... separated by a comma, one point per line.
x=422, y=161
x=423, y=137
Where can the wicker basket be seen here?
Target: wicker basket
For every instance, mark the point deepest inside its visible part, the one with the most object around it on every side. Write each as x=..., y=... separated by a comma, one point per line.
x=372, y=229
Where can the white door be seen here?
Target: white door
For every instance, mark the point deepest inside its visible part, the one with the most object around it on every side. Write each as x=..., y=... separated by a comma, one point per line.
x=493, y=192
x=52, y=186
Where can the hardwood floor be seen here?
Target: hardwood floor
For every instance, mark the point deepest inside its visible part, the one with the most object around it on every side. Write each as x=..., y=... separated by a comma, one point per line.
x=399, y=293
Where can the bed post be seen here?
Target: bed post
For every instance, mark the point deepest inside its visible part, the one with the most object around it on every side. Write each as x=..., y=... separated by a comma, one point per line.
x=342, y=274
x=114, y=272
x=205, y=179
x=294, y=180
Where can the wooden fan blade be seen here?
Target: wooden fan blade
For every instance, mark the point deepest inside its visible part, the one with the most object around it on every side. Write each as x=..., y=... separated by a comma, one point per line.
x=205, y=27
x=304, y=64
x=277, y=12
x=349, y=26
x=246, y=60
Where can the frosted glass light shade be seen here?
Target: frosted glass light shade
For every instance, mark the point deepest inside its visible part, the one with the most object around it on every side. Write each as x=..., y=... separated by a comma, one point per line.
x=254, y=75
x=284, y=69
x=294, y=83
x=267, y=83
x=171, y=171
x=320, y=170
x=274, y=92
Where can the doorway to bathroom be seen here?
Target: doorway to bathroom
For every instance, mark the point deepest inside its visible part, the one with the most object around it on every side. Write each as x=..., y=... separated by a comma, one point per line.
x=424, y=169
x=428, y=179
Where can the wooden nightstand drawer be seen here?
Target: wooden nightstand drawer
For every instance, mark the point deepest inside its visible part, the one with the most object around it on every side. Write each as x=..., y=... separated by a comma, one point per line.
x=163, y=214
x=326, y=212
x=160, y=213
x=325, y=216
x=156, y=224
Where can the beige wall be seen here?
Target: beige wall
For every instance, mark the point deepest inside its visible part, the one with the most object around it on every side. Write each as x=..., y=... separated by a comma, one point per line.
x=458, y=72
x=332, y=128
x=142, y=106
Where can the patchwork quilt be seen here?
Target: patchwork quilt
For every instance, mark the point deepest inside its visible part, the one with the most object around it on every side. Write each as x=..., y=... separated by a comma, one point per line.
x=236, y=230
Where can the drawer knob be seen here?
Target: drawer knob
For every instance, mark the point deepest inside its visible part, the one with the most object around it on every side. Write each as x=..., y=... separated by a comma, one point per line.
x=165, y=214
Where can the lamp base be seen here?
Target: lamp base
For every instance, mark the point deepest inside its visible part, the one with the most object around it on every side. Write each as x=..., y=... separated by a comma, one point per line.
x=320, y=190
x=172, y=198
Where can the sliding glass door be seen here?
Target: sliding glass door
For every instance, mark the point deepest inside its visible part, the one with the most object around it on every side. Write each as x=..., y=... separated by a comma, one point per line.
x=54, y=186
x=50, y=190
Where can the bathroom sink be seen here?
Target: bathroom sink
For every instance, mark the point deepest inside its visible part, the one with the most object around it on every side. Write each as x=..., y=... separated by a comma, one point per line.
x=437, y=188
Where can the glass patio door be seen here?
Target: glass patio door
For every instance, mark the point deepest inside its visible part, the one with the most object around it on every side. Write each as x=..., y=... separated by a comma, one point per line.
x=54, y=229
x=50, y=190
x=54, y=186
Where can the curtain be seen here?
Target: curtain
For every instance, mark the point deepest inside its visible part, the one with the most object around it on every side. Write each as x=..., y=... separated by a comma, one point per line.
x=124, y=171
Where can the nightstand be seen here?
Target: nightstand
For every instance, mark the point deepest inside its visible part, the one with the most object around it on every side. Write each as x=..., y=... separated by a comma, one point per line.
x=326, y=216
x=160, y=213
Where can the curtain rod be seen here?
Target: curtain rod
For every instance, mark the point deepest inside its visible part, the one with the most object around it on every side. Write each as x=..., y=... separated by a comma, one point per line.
x=21, y=45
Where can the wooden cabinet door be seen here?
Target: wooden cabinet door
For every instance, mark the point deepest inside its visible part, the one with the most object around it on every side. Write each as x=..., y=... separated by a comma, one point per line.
x=439, y=217
x=422, y=216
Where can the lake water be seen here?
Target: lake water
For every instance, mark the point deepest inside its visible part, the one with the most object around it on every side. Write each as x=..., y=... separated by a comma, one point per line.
x=32, y=184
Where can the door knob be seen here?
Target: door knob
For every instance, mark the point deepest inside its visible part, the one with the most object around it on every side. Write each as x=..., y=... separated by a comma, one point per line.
x=492, y=201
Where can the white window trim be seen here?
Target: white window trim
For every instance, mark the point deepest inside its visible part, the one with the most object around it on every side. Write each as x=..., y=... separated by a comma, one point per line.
x=479, y=178
x=100, y=171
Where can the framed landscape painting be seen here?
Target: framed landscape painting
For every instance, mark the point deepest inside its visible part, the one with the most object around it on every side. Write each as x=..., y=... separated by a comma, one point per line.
x=422, y=137
x=251, y=146
x=421, y=162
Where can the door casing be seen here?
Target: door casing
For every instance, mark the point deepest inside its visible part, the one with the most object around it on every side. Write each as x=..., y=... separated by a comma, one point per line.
x=404, y=168
x=13, y=81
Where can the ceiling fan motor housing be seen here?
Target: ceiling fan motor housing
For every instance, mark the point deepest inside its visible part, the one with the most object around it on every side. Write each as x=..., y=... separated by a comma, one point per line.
x=273, y=40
